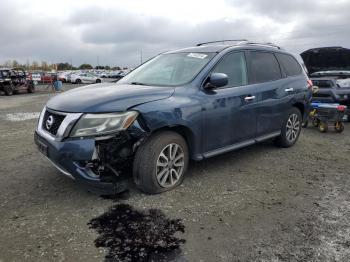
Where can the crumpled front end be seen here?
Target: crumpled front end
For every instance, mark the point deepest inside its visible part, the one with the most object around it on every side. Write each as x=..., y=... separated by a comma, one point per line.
x=102, y=162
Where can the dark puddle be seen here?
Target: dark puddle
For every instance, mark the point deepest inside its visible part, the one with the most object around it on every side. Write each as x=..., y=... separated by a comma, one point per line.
x=133, y=235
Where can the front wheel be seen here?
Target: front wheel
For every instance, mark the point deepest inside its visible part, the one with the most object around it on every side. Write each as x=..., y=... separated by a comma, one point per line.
x=78, y=81
x=9, y=90
x=161, y=163
x=291, y=128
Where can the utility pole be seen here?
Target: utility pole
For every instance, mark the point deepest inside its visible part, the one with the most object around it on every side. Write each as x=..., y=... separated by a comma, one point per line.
x=141, y=56
x=98, y=61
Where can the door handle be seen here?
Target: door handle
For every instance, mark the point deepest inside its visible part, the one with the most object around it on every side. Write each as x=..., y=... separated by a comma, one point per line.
x=289, y=89
x=249, y=98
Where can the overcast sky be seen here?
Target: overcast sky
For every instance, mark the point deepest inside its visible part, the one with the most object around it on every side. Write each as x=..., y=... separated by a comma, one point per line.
x=115, y=32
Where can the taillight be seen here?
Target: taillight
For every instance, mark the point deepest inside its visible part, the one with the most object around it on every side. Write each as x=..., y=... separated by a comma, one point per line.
x=341, y=108
x=309, y=84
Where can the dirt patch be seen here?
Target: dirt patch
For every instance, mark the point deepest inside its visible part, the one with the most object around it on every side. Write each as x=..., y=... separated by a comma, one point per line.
x=133, y=235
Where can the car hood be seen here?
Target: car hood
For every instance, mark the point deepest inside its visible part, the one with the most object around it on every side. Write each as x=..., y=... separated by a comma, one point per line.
x=326, y=58
x=107, y=97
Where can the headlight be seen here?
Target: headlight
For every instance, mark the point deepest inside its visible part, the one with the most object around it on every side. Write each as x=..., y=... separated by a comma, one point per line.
x=101, y=124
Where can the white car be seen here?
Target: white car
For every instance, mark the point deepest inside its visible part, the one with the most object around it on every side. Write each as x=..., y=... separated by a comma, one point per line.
x=84, y=78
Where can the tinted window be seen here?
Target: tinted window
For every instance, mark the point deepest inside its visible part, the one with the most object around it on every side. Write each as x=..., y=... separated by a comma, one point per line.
x=234, y=66
x=289, y=64
x=323, y=83
x=264, y=67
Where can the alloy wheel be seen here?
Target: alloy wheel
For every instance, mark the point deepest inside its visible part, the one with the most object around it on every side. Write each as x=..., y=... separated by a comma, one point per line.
x=293, y=127
x=170, y=165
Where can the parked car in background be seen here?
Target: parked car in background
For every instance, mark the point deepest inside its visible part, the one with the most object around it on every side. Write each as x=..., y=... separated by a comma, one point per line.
x=46, y=78
x=62, y=76
x=84, y=78
x=117, y=75
x=192, y=103
x=35, y=77
x=330, y=91
x=12, y=81
x=326, y=59
x=333, y=86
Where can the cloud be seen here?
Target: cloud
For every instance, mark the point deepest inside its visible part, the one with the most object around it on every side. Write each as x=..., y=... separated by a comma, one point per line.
x=118, y=35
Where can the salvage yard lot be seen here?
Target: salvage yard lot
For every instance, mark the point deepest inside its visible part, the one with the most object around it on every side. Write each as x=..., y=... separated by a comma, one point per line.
x=261, y=203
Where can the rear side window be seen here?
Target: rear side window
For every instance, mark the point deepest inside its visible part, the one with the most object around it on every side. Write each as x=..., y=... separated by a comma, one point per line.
x=234, y=66
x=289, y=64
x=264, y=67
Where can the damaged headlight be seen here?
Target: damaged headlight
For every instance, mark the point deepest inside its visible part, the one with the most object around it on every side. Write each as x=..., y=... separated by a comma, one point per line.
x=101, y=124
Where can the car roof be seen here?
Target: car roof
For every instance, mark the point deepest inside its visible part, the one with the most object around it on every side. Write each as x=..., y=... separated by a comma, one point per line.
x=217, y=48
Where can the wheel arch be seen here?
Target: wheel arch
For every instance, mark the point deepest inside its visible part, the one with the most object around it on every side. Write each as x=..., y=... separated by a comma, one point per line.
x=301, y=108
x=183, y=131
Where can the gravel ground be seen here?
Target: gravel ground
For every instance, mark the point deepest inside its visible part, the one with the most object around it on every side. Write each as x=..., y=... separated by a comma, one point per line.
x=261, y=203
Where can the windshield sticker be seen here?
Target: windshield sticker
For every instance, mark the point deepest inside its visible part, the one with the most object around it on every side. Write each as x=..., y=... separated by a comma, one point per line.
x=197, y=55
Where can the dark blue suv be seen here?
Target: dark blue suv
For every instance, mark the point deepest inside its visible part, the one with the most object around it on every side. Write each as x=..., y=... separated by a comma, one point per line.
x=192, y=103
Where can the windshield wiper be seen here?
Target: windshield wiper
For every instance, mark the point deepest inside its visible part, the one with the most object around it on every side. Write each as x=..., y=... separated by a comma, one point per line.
x=138, y=83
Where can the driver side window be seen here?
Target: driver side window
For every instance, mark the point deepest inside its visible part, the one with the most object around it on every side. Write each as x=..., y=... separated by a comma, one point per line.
x=234, y=66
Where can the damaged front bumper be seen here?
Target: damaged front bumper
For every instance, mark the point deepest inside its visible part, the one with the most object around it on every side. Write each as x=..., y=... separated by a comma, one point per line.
x=102, y=163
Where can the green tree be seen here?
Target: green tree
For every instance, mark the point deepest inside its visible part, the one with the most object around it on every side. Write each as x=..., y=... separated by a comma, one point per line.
x=85, y=66
x=64, y=66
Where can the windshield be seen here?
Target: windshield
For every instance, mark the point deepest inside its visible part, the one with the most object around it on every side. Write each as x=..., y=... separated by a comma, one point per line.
x=168, y=69
x=344, y=83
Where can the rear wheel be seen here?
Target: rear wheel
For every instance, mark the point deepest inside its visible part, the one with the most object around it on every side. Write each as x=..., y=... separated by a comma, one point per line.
x=339, y=127
x=98, y=81
x=291, y=129
x=161, y=163
x=31, y=88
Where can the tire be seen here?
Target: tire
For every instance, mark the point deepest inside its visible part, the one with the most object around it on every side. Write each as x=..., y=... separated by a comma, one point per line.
x=78, y=81
x=31, y=89
x=9, y=90
x=323, y=127
x=149, y=162
x=98, y=81
x=315, y=122
x=291, y=128
x=339, y=127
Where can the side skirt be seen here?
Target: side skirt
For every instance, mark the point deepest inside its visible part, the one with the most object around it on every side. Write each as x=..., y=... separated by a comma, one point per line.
x=238, y=145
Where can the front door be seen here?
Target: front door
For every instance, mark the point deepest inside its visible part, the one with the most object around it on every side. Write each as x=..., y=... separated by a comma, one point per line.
x=229, y=112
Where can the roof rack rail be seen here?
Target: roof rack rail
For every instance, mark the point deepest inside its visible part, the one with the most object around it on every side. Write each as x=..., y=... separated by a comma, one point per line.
x=222, y=41
x=241, y=42
x=261, y=44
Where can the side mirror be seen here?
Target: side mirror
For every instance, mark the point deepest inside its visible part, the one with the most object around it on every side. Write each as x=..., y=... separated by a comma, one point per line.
x=315, y=89
x=217, y=80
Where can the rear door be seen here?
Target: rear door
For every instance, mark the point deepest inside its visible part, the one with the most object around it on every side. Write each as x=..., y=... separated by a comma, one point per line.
x=272, y=92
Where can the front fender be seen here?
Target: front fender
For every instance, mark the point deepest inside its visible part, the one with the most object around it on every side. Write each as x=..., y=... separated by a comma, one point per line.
x=176, y=111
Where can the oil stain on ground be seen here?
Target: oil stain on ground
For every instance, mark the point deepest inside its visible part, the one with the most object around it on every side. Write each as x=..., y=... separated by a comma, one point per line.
x=133, y=235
